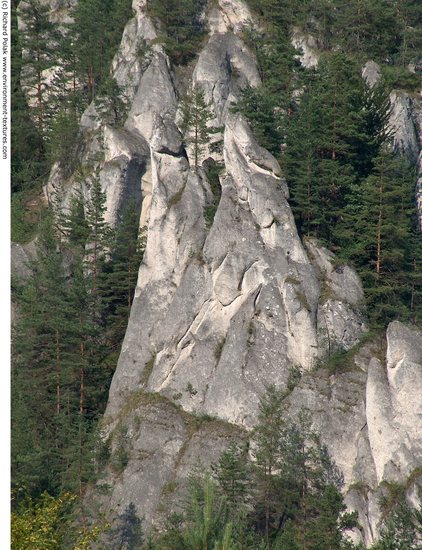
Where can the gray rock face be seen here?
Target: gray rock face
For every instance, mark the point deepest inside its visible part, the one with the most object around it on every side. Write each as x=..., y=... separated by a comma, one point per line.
x=21, y=256
x=371, y=73
x=403, y=126
x=228, y=302
x=369, y=417
x=161, y=446
x=308, y=47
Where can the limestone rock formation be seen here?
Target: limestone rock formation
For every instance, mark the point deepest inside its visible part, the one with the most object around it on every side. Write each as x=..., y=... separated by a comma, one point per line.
x=228, y=298
x=369, y=417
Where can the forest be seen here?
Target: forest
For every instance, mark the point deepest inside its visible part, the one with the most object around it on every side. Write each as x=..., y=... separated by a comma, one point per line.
x=348, y=188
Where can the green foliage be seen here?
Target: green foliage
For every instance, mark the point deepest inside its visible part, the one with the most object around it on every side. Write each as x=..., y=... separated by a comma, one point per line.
x=400, y=78
x=378, y=233
x=39, y=39
x=196, y=115
x=266, y=107
x=182, y=25
x=402, y=529
x=206, y=515
x=120, y=456
x=111, y=103
x=48, y=523
x=231, y=473
x=67, y=329
x=213, y=171
x=22, y=227
x=28, y=164
x=286, y=498
x=63, y=138
x=95, y=35
x=39, y=524
x=121, y=273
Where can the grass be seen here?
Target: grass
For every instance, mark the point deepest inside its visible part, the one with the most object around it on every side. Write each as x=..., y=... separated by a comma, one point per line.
x=414, y=475
x=291, y=280
x=360, y=487
x=209, y=214
x=177, y=196
x=303, y=300
x=342, y=361
x=326, y=293
x=219, y=349
x=169, y=488
x=120, y=456
x=146, y=373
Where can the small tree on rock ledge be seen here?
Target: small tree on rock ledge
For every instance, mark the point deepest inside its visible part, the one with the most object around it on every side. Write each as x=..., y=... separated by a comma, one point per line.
x=195, y=117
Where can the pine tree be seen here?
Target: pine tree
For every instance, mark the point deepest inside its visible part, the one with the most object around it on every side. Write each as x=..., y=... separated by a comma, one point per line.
x=310, y=487
x=402, y=529
x=182, y=24
x=121, y=273
x=99, y=232
x=206, y=515
x=44, y=345
x=39, y=40
x=28, y=164
x=95, y=34
x=111, y=102
x=231, y=473
x=379, y=238
x=195, y=117
x=267, y=454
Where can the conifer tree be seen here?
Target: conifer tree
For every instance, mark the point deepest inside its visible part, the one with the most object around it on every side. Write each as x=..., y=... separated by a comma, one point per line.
x=95, y=34
x=267, y=454
x=121, y=273
x=39, y=41
x=28, y=164
x=378, y=235
x=182, y=24
x=231, y=474
x=99, y=232
x=45, y=350
x=111, y=102
x=206, y=515
x=196, y=115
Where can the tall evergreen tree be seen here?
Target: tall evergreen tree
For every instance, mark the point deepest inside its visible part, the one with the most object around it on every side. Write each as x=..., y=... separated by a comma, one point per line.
x=182, y=24
x=121, y=273
x=28, y=163
x=95, y=34
x=39, y=40
x=44, y=345
x=232, y=476
x=377, y=235
x=267, y=454
x=196, y=115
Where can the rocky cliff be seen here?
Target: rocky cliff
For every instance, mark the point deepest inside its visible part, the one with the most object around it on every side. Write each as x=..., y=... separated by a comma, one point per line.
x=229, y=298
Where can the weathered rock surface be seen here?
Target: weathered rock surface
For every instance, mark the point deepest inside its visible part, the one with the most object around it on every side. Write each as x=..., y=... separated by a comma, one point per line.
x=369, y=417
x=228, y=303
x=371, y=73
x=308, y=47
x=21, y=256
x=161, y=446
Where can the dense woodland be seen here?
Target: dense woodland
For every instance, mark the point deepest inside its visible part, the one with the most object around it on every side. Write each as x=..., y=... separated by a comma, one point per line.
x=348, y=188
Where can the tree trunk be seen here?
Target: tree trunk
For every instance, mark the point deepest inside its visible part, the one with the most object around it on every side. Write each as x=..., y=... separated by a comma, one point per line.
x=58, y=374
x=378, y=260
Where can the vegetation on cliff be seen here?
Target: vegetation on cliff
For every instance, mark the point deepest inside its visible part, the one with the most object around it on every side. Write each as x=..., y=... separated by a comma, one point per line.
x=329, y=131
